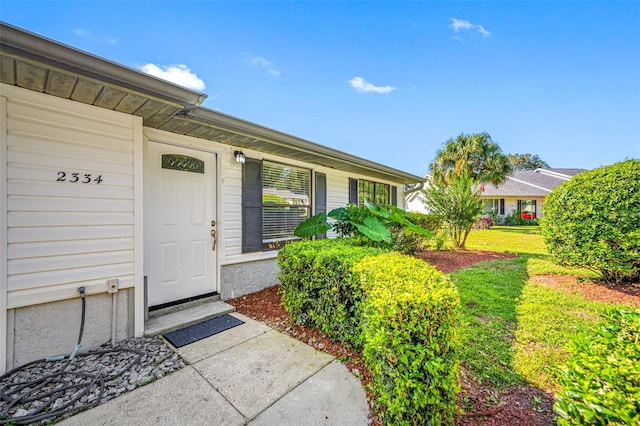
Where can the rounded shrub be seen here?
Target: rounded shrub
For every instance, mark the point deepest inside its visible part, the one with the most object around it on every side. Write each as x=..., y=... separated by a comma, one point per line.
x=600, y=384
x=411, y=338
x=593, y=221
x=319, y=288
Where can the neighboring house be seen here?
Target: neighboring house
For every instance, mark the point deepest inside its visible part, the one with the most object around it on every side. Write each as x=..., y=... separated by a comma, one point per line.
x=414, y=200
x=524, y=191
x=111, y=179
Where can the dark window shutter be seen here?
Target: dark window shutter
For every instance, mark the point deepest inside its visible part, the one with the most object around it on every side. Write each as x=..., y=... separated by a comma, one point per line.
x=252, y=205
x=394, y=196
x=321, y=197
x=353, y=191
x=502, y=206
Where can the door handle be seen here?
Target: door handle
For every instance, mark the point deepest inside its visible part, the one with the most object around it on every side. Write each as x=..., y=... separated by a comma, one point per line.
x=215, y=239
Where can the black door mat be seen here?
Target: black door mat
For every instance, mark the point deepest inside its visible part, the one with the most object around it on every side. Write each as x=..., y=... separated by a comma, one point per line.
x=201, y=330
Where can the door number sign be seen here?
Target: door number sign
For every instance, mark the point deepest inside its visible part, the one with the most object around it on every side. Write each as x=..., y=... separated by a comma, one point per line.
x=77, y=177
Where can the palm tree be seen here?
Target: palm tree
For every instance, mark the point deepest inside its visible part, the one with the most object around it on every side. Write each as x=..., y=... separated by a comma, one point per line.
x=475, y=154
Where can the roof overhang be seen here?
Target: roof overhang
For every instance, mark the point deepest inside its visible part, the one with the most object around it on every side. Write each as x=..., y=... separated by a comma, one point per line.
x=36, y=63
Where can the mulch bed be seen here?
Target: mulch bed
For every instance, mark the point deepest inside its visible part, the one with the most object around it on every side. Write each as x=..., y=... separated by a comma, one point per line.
x=449, y=261
x=608, y=293
x=482, y=405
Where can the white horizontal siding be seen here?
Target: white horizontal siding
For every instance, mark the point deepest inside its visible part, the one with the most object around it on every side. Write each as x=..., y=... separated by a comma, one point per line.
x=44, y=139
x=76, y=260
x=43, y=249
x=63, y=234
x=68, y=275
x=65, y=202
x=337, y=194
x=232, y=210
x=337, y=190
x=67, y=233
x=33, y=296
x=24, y=157
x=70, y=120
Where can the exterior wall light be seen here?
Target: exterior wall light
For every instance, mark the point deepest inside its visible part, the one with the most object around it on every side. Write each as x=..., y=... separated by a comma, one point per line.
x=239, y=156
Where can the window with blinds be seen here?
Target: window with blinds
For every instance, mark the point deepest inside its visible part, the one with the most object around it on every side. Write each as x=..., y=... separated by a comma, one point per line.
x=286, y=202
x=373, y=192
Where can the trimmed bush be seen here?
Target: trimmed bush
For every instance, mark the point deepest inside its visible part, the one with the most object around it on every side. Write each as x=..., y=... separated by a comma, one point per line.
x=410, y=339
x=319, y=287
x=600, y=384
x=593, y=221
x=399, y=310
x=516, y=219
x=485, y=222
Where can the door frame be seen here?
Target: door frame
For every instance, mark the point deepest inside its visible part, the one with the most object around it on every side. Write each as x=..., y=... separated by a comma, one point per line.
x=187, y=142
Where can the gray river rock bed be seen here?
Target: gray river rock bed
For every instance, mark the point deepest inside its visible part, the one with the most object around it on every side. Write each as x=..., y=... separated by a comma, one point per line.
x=43, y=391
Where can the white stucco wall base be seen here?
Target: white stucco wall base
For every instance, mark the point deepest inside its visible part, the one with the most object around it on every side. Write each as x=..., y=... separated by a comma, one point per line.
x=49, y=329
x=245, y=278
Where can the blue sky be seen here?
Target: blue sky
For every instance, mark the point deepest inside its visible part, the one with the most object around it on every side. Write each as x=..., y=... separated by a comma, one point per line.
x=387, y=81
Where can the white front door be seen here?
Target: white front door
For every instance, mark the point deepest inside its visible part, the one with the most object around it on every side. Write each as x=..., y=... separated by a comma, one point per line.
x=179, y=215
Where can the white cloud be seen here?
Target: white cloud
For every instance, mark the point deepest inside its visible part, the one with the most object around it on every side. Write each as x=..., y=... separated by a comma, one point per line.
x=178, y=74
x=363, y=86
x=458, y=25
x=265, y=64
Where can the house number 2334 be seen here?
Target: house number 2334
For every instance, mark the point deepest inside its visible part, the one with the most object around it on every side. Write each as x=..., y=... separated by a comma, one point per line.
x=77, y=177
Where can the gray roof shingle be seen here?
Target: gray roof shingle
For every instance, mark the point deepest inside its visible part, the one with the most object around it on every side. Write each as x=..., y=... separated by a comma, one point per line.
x=537, y=182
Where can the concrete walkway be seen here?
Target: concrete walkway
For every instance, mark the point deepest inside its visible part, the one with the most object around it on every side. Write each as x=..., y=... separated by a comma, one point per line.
x=250, y=374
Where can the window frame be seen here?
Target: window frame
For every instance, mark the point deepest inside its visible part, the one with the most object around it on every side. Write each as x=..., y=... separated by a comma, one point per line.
x=253, y=206
x=276, y=243
x=356, y=195
x=520, y=202
x=497, y=205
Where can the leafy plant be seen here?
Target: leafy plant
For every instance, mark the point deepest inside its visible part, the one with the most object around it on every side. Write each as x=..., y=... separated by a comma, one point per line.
x=601, y=381
x=457, y=204
x=441, y=239
x=368, y=225
x=314, y=225
x=593, y=221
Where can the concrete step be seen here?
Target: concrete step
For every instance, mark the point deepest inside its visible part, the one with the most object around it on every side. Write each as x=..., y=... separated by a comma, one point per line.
x=182, y=305
x=174, y=320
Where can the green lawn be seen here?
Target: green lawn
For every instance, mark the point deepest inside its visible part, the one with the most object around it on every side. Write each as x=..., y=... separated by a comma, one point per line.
x=515, y=330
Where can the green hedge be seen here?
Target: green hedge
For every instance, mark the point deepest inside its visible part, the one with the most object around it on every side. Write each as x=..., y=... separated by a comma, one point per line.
x=319, y=288
x=600, y=384
x=593, y=221
x=410, y=339
x=409, y=242
x=400, y=311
